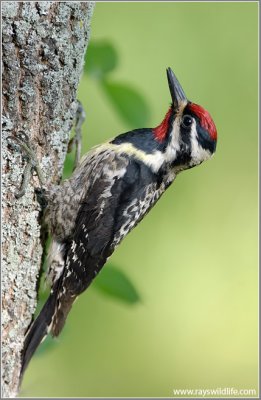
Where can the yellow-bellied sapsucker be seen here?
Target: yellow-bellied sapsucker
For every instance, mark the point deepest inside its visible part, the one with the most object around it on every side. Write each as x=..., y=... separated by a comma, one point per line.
x=112, y=189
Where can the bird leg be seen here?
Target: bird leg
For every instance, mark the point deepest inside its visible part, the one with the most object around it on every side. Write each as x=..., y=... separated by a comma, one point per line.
x=77, y=139
x=32, y=162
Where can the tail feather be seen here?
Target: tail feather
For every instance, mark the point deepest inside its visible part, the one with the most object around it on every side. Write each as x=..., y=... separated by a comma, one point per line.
x=51, y=319
x=38, y=330
x=64, y=305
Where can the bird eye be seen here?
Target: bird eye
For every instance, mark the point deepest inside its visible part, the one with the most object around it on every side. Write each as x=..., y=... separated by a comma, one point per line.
x=186, y=121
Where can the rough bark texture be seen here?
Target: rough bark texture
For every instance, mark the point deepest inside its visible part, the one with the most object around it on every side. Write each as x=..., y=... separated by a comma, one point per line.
x=43, y=51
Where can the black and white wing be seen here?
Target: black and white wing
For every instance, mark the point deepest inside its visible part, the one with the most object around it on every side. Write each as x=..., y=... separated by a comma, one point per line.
x=117, y=201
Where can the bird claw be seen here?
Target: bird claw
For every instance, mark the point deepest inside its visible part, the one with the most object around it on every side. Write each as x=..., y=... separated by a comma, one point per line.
x=41, y=197
x=23, y=141
x=77, y=139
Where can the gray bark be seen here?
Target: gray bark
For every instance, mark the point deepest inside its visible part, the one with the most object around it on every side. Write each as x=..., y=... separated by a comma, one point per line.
x=43, y=52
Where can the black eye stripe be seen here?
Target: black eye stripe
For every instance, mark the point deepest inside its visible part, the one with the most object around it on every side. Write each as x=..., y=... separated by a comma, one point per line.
x=204, y=139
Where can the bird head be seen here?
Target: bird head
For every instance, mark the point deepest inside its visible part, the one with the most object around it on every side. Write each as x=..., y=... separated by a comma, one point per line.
x=187, y=135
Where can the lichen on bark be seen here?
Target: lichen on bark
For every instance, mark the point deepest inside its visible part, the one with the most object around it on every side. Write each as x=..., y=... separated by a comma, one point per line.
x=43, y=46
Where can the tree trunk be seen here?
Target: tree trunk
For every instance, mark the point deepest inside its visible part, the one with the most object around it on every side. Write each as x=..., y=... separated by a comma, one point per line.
x=43, y=52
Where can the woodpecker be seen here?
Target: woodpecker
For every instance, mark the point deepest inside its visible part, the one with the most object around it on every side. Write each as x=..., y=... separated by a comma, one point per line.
x=112, y=189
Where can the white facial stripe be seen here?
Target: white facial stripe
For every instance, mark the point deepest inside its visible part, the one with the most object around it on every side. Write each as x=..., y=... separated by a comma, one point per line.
x=198, y=154
x=154, y=160
x=174, y=145
x=157, y=158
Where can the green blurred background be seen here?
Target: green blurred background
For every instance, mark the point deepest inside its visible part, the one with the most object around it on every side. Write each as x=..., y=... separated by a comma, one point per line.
x=193, y=261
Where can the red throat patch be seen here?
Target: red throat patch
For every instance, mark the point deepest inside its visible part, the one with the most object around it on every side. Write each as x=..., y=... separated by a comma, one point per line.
x=205, y=119
x=160, y=132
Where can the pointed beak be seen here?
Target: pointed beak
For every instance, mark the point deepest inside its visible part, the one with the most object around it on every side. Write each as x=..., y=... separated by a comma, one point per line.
x=177, y=93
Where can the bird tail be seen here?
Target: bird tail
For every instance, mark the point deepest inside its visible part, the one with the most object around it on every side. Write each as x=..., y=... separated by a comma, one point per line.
x=52, y=318
x=38, y=331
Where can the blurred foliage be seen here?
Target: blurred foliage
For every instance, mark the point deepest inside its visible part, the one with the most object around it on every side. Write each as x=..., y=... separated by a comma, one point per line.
x=101, y=59
x=114, y=283
x=194, y=258
x=128, y=102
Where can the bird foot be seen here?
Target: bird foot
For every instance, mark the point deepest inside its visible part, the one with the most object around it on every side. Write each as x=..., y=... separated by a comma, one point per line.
x=32, y=162
x=77, y=139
